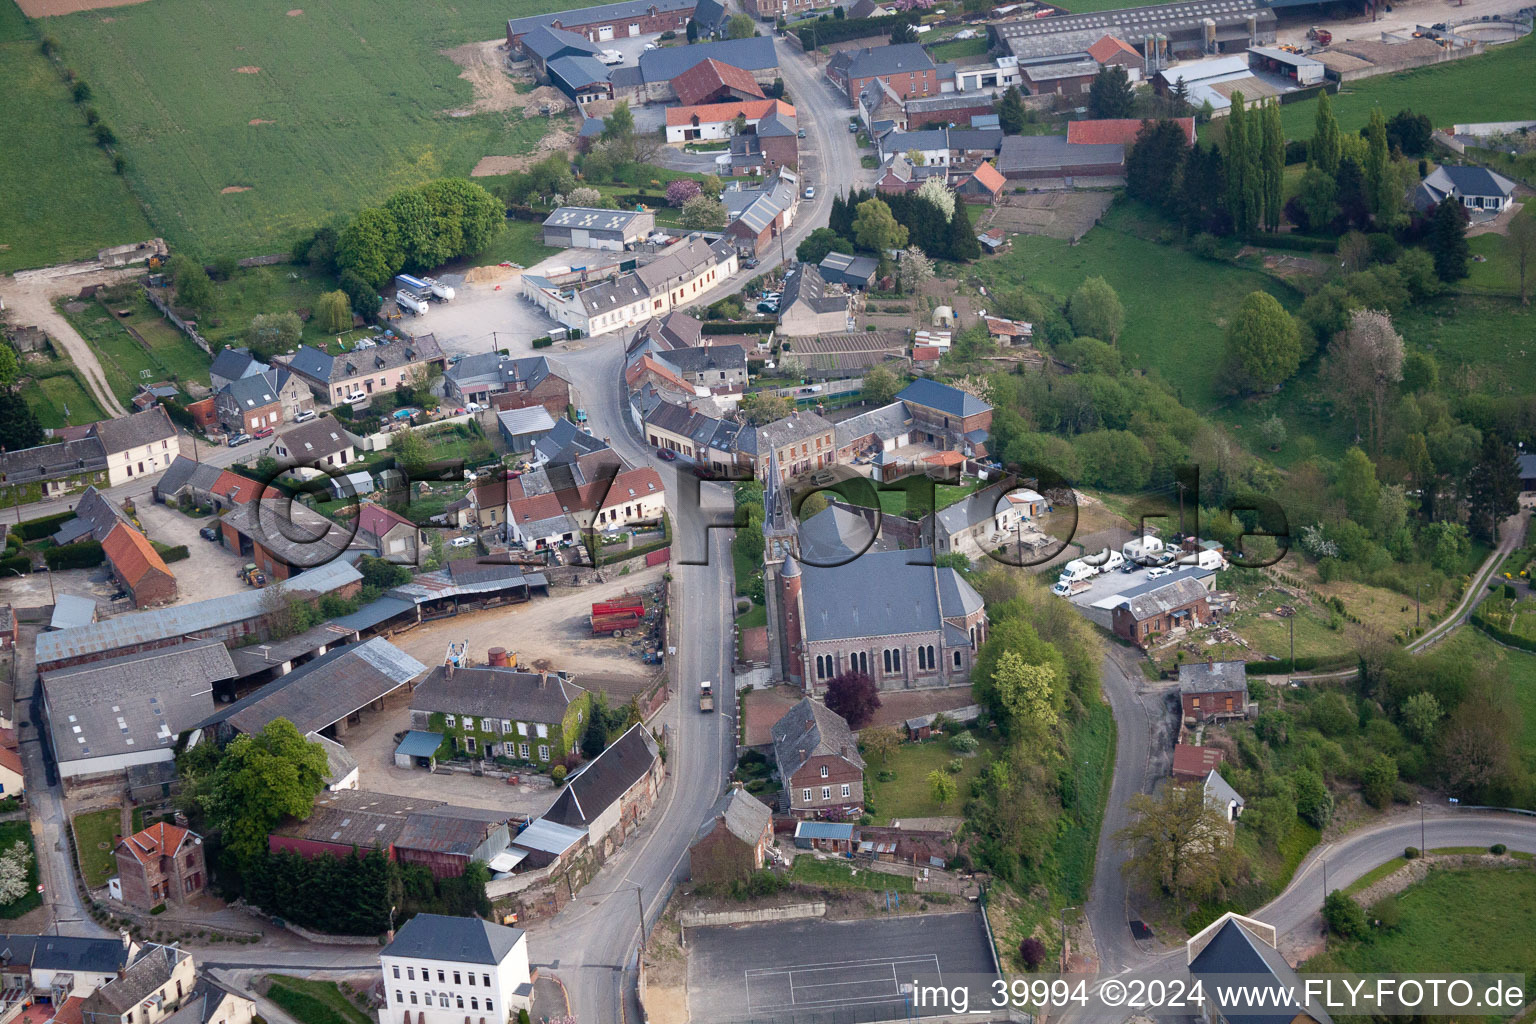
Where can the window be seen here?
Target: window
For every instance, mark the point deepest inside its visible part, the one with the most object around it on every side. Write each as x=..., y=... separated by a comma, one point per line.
x=469, y=744
x=410, y=974
x=543, y=751
x=1195, y=703
x=826, y=792
x=806, y=795
x=522, y=750
x=471, y=979
x=413, y=998
x=823, y=771
x=506, y=726
x=490, y=1006
x=397, y=970
x=442, y=1000
x=486, y=726
x=485, y=979
x=399, y=997
x=457, y=980
x=440, y=978
x=542, y=730
x=460, y=1001
x=450, y=721
x=847, y=791
x=957, y=659
x=522, y=728
x=474, y=1003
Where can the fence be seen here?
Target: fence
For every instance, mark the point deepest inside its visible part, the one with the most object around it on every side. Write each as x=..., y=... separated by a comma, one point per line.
x=170, y=314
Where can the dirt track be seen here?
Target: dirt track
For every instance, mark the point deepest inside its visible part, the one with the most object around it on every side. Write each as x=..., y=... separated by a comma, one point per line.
x=49, y=8
x=31, y=302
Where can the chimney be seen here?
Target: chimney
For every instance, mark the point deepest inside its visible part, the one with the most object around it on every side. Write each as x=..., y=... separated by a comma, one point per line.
x=543, y=680
x=127, y=938
x=448, y=669
x=497, y=657
x=844, y=751
x=1209, y=661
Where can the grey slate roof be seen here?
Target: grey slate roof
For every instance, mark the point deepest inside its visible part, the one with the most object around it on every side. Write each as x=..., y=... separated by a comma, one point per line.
x=136, y=703
x=138, y=982
x=464, y=939
x=590, y=219
x=253, y=392
x=835, y=534
x=710, y=15
x=316, y=439
x=974, y=508
x=1049, y=152
x=94, y=516
x=1217, y=677
x=547, y=43
x=324, y=690
x=1219, y=791
x=183, y=473
x=1451, y=179
x=566, y=442
x=880, y=594
x=709, y=357
x=1165, y=598
x=605, y=778
x=135, y=431
x=1070, y=32
x=798, y=426
x=48, y=461
x=881, y=60
x=601, y=12
x=855, y=271
x=1188, y=572
x=810, y=288
x=320, y=366
x=746, y=817
x=887, y=422
x=64, y=953
x=932, y=395
x=665, y=64
x=810, y=730
x=234, y=363
x=579, y=72
x=1234, y=950
x=486, y=691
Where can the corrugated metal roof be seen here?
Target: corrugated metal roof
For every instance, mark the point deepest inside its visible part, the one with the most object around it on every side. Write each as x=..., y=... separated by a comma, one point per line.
x=548, y=836
x=824, y=830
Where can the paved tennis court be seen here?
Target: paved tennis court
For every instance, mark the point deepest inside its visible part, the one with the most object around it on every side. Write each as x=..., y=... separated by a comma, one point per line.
x=812, y=971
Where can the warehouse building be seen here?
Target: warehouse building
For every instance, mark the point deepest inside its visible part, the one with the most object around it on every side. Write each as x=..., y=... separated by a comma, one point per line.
x=1164, y=31
x=577, y=227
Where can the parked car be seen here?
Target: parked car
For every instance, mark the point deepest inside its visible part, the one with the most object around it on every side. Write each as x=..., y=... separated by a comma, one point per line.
x=239, y=439
x=208, y=533
x=801, y=133
x=263, y=433
x=751, y=262
x=1157, y=572
x=462, y=542
x=666, y=454
x=853, y=127
x=810, y=191
x=305, y=416
x=357, y=396
x=702, y=471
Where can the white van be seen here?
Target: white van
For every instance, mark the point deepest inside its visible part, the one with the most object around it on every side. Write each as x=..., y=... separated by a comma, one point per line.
x=1076, y=571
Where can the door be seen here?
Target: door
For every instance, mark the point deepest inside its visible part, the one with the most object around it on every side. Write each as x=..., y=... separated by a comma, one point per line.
x=604, y=33
x=634, y=30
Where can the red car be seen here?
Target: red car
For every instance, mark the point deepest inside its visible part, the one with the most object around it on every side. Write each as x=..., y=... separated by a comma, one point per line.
x=666, y=454
x=268, y=432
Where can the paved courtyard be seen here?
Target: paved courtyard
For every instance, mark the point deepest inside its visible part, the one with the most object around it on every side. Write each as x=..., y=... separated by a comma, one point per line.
x=830, y=972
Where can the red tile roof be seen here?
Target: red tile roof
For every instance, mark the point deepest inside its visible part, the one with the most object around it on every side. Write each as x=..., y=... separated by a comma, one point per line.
x=238, y=489
x=1190, y=761
x=925, y=353
x=989, y=176
x=70, y=1011
x=717, y=113
x=1109, y=46
x=154, y=841
x=132, y=555
x=1116, y=129
x=949, y=458
x=645, y=364
x=701, y=81
x=378, y=520
x=10, y=759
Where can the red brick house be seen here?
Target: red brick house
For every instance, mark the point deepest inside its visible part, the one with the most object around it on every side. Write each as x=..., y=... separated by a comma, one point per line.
x=138, y=566
x=1192, y=763
x=162, y=864
x=905, y=68
x=819, y=763
x=733, y=841
x=1142, y=617
x=1213, y=689
x=945, y=417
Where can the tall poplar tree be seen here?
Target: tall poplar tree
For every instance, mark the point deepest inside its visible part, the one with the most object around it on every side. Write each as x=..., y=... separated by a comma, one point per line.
x=1378, y=170
x=1327, y=145
x=1242, y=167
x=1272, y=165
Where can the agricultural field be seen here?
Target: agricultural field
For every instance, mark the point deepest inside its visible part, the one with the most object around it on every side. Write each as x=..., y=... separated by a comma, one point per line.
x=244, y=124
x=52, y=218
x=1176, y=303
x=1496, y=86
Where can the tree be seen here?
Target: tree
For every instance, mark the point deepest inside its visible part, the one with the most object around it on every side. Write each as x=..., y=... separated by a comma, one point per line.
x=1358, y=486
x=1378, y=779
x=369, y=246
x=1492, y=489
x=410, y=450
x=1421, y=715
x=1478, y=745
x=1012, y=114
x=18, y=424
x=879, y=744
x=1153, y=164
x=1178, y=842
x=1520, y=243
x=1032, y=953
x=10, y=366
x=1263, y=344
x=591, y=199
x=903, y=32
x=1272, y=433
x=1315, y=195
x=963, y=246
x=14, y=883
x=760, y=407
x=619, y=124
x=1007, y=692
x=1243, y=191
x=875, y=228
x=1380, y=183
x=914, y=270
x=1448, y=239
x=1327, y=144
x=1343, y=915
x=274, y=332
x=1314, y=804
x=941, y=786
x=854, y=696
x=693, y=31
x=820, y=242
x=740, y=26
x=1272, y=164
x=334, y=311
x=1350, y=192
x=193, y=288
x=1110, y=94
x=364, y=298
x=880, y=385
x=1409, y=133
x=1025, y=691
x=701, y=213
x=1365, y=363
x=1095, y=311
x=682, y=190
x=260, y=780
x=935, y=191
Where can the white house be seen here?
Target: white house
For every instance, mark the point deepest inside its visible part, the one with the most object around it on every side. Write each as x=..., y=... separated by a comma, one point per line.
x=446, y=970
x=138, y=445
x=1478, y=189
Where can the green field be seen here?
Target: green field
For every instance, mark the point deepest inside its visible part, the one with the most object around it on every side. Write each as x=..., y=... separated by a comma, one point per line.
x=62, y=201
x=521, y=241
x=908, y=795
x=837, y=874
x=94, y=835
x=1518, y=667
x=314, y=1002
x=359, y=101
x=56, y=393
x=1175, y=302
x=1496, y=86
x=1477, y=920
x=126, y=363
x=951, y=49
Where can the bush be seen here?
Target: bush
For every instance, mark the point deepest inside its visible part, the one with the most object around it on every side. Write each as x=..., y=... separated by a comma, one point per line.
x=37, y=529
x=544, y=342
x=963, y=743
x=1498, y=849
x=80, y=555
x=1032, y=952
x=19, y=563
x=173, y=554
x=158, y=908
x=557, y=773
x=1385, y=914
x=1411, y=853
x=1343, y=915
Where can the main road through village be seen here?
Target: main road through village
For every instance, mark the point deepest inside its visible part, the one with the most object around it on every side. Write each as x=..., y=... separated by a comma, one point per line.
x=592, y=941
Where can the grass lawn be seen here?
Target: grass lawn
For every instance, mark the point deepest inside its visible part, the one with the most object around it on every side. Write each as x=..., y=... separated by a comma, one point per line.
x=951, y=49
x=1519, y=667
x=276, y=289
x=58, y=397
x=837, y=874
x=908, y=794
x=94, y=832
x=1475, y=920
x=1178, y=332
x=314, y=113
x=907, y=494
x=753, y=617
x=521, y=241
x=314, y=1002
x=79, y=206
x=1496, y=86
x=11, y=833
x=126, y=362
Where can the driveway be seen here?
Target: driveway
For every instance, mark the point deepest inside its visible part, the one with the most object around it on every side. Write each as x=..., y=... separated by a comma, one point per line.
x=210, y=572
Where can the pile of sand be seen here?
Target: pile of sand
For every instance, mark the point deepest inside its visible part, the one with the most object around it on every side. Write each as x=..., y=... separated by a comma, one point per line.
x=489, y=275
x=248, y=69
x=227, y=189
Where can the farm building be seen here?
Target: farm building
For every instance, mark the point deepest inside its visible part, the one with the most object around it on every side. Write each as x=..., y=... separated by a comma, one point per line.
x=1190, y=28
x=574, y=227
x=607, y=21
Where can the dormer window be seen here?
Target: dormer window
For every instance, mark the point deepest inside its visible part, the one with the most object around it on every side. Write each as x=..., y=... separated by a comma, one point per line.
x=824, y=772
